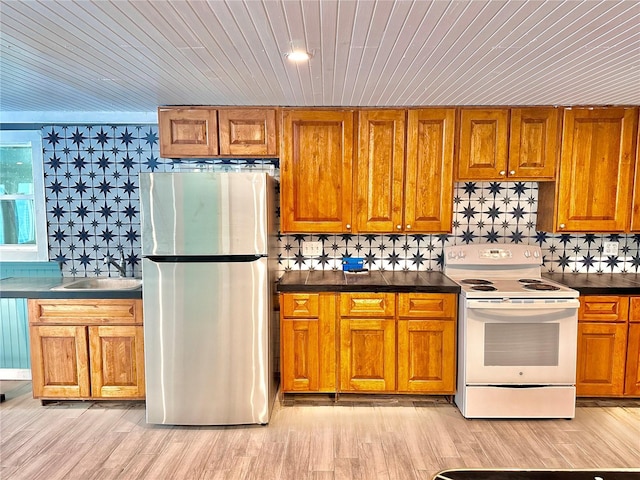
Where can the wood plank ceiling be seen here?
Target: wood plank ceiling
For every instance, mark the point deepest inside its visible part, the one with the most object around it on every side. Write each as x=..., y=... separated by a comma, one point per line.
x=133, y=56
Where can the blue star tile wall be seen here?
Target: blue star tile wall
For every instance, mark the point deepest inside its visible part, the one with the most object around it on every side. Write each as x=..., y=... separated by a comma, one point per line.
x=93, y=212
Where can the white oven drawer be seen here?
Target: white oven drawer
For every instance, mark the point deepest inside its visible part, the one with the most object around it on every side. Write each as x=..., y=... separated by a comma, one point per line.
x=529, y=343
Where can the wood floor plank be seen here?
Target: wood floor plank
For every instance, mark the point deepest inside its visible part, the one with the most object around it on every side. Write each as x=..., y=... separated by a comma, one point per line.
x=397, y=458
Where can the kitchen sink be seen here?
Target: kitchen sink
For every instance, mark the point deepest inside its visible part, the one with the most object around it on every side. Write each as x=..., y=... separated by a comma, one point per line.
x=102, y=283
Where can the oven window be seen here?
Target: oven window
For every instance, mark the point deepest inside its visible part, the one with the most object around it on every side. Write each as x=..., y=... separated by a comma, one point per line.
x=524, y=344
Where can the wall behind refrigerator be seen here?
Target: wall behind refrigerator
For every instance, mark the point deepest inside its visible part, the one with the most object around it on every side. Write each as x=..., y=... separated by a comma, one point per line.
x=93, y=210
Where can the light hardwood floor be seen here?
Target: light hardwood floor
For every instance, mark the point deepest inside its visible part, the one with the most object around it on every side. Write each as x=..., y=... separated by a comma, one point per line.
x=307, y=438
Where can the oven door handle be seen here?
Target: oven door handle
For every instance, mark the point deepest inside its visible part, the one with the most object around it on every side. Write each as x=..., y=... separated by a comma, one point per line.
x=509, y=305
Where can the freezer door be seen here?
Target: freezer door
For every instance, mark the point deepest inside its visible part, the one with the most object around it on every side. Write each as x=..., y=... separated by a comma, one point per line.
x=205, y=213
x=208, y=357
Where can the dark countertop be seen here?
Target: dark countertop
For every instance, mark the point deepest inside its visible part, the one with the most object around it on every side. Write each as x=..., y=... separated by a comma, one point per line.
x=372, y=281
x=40, y=287
x=599, y=283
x=437, y=282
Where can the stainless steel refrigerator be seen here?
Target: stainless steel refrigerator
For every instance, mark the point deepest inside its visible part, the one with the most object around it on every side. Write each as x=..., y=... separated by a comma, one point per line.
x=207, y=281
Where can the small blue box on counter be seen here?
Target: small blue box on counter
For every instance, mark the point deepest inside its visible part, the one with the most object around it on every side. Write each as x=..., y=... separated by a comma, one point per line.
x=352, y=263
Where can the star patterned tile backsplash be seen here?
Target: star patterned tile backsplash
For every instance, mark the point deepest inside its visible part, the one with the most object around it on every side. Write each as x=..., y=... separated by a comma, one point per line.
x=93, y=213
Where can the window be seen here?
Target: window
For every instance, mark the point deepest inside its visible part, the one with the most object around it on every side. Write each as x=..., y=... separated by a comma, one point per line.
x=23, y=222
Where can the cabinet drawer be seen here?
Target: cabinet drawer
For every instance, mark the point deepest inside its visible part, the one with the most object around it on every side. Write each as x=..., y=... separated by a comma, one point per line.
x=634, y=309
x=367, y=304
x=609, y=308
x=87, y=312
x=300, y=305
x=427, y=305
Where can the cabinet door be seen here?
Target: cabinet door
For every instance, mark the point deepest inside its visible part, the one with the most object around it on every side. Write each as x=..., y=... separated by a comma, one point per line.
x=533, y=143
x=188, y=132
x=632, y=377
x=635, y=210
x=596, y=169
x=316, y=171
x=117, y=361
x=247, y=131
x=428, y=203
x=300, y=367
x=367, y=355
x=379, y=171
x=601, y=359
x=483, y=144
x=426, y=356
x=59, y=362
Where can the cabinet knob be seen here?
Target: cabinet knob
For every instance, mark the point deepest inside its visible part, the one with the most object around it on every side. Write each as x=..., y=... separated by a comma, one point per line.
x=408, y=227
x=348, y=226
x=512, y=172
x=562, y=225
x=399, y=227
x=502, y=172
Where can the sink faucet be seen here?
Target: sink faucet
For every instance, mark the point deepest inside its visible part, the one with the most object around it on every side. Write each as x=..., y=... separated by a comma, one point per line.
x=122, y=267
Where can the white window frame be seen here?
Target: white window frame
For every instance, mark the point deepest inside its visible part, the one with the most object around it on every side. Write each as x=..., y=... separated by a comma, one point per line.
x=39, y=251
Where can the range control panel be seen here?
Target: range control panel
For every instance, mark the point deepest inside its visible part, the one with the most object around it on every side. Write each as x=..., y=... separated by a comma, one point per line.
x=492, y=254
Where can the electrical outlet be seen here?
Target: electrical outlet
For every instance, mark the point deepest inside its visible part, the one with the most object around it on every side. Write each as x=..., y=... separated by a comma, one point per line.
x=311, y=249
x=610, y=248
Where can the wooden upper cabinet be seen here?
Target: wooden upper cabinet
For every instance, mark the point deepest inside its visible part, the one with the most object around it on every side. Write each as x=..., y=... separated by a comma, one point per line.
x=404, y=191
x=193, y=132
x=483, y=144
x=503, y=144
x=534, y=138
x=635, y=208
x=379, y=171
x=248, y=131
x=188, y=132
x=316, y=170
x=593, y=192
x=428, y=194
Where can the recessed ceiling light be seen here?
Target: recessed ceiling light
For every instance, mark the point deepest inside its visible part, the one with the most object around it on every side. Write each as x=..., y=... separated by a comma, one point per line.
x=298, y=56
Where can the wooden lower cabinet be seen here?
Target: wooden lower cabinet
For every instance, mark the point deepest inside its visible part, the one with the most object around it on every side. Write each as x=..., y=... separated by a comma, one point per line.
x=608, y=346
x=308, y=342
x=426, y=343
x=368, y=342
x=632, y=375
x=632, y=371
x=87, y=349
x=601, y=359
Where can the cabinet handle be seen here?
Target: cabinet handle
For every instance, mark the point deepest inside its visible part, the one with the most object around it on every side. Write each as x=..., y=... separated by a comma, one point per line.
x=502, y=172
x=562, y=225
x=348, y=226
x=408, y=227
x=399, y=227
x=512, y=172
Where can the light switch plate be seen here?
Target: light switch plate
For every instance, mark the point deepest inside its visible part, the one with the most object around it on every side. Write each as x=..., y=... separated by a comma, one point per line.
x=311, y=249
x=610, y=248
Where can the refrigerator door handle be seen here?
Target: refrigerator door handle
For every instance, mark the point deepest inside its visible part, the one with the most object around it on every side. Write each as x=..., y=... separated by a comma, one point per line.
x=204, y=258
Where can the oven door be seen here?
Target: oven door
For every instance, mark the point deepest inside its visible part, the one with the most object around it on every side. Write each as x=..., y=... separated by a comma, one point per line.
x=520, y=341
